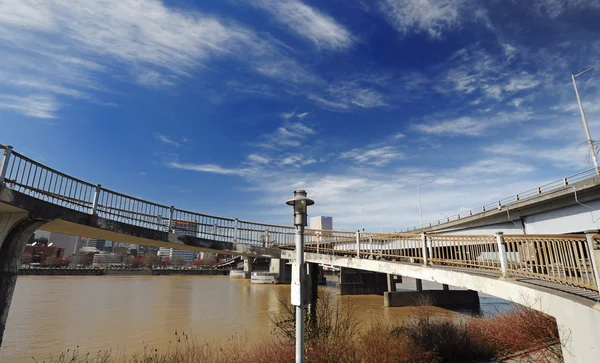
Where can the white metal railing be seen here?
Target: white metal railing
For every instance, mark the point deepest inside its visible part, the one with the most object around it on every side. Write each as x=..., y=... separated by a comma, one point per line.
x=571, y=259
x=513, y=199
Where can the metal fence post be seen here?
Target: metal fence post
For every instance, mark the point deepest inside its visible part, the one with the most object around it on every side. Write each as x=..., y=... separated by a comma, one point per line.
x=424, y=247
x=358, y=243
x=594, y=248
x=170, y=222
x=235, y=230
x=502, y=254
x=4, y=165
x=94, y=209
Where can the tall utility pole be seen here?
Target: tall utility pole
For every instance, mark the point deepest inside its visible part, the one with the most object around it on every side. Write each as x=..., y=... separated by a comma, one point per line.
x=583, y=118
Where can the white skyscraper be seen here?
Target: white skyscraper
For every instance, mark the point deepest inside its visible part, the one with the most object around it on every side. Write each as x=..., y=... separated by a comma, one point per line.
x=321, y=222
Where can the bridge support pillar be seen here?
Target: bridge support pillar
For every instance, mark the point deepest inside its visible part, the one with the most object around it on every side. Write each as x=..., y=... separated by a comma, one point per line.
x=248, y=267
x=281, y=270
x=15, y=231
x=391, y=282
x=359, y=282
x=419, y=284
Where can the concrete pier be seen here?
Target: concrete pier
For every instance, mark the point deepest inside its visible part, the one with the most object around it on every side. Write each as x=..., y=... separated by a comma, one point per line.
x=15, y=231
x=359, y=282
x=453, y=299
x=247, y=267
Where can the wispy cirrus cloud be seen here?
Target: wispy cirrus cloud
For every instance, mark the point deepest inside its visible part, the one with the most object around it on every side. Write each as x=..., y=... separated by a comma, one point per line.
x=39, y=106
x=65, y=48
x=166, y=140
x=430, y=16
x=209, y=168
x=377, y=156
x=290, y=135
x=472, y=125
x=309, y=23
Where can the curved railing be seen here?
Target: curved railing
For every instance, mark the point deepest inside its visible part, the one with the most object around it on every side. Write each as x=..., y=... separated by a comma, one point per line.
x=561, y=259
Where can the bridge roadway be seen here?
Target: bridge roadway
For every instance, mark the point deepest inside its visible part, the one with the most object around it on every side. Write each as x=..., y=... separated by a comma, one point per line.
x=554, y=274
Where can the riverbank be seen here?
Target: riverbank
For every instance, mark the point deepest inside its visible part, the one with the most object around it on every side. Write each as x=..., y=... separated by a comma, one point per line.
x=335, y=337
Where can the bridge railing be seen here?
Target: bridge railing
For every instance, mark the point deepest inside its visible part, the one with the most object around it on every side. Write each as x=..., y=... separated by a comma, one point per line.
x=465, y=251
x=565, y=259
x=39, y=181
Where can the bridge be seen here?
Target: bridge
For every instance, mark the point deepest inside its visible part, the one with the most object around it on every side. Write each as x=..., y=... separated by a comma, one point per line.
x=557, y=274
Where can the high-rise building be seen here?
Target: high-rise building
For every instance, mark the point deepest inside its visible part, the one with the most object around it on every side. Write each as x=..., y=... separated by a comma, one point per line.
x=188, y=256
x=97, y=243
x=71, y=244
x=321, y=222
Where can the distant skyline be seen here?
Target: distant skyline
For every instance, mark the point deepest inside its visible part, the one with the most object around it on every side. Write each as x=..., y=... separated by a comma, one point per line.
x=226, y=107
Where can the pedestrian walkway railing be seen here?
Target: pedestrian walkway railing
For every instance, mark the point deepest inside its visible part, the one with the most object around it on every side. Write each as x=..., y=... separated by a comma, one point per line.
x=566, y=259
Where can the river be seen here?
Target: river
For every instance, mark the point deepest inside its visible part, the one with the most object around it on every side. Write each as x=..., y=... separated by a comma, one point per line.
x=52, y=313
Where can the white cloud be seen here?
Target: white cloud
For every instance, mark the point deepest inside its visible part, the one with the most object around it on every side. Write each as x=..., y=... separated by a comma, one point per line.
x=377, y=156
x=570, y=156
x=309, y=23
x=555, y=8
x=472, y=126
x=166, y=140
x=290, y=135
x=430, y=16
x=64, y=47
x=258, y=159
x=461, y=126
x=209, y=168
x=302, y=115
x=296, y=160
x=39, y=106
x=399, y=136
x=494, y=166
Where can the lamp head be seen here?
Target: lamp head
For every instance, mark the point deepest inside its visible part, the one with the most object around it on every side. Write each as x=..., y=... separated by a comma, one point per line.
x=300, y=202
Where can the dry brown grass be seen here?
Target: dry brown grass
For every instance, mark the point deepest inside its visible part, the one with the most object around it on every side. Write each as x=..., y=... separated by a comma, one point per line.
x=336, y=338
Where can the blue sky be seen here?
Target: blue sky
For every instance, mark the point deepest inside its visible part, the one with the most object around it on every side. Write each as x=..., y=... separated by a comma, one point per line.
x=225, y=107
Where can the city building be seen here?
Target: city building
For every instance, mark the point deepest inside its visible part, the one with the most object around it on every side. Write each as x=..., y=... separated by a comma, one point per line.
x=96, y=243
x=321, y=222
x=71, y=244
x=41, y=254
x=171, y=253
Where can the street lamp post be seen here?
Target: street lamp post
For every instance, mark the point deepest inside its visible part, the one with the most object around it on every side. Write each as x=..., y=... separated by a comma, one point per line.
x=419, y=197
x=585, y=124
x=300, y=202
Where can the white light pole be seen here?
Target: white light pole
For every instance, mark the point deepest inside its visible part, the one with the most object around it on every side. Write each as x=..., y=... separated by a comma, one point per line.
x=419, y=197
x=300, y=203
x=585, y=124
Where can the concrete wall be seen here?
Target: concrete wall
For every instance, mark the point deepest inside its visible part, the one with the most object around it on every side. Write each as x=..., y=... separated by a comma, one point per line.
x=571, y=219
